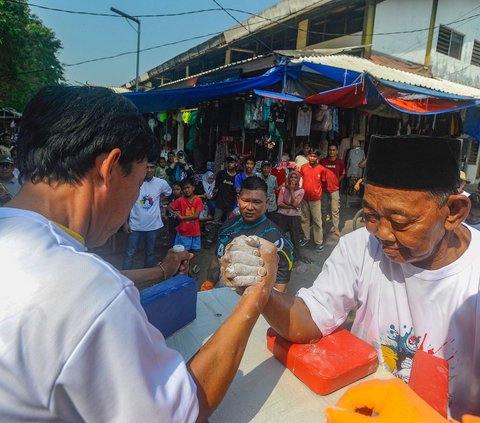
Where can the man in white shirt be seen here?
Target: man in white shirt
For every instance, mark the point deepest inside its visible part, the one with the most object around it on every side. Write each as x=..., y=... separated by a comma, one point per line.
x=145, y=218
x=75, y=343
x=412, y=273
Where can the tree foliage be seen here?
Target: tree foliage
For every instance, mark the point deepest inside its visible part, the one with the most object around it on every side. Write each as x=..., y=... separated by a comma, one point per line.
x=27, y=54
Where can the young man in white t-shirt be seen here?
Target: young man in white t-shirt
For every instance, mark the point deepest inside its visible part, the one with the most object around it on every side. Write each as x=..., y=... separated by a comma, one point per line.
x=412, y=273
x=145, y=218
x=76, y=345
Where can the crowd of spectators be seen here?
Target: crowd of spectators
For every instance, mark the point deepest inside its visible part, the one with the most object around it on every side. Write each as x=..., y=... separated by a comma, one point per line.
x=197, y=204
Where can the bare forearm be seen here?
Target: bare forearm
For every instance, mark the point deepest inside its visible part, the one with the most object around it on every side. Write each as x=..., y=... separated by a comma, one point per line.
x=215, y=365
x=291, y=318
x=192, y=217
x=142, y=278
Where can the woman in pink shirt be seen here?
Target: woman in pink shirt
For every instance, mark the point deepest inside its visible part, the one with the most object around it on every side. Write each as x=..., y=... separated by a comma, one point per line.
x=289, y=213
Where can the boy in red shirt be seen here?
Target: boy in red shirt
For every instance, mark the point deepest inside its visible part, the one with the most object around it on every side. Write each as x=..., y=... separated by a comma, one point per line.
x=187, y=210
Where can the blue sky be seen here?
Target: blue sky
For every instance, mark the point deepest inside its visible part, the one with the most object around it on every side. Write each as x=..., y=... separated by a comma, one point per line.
x=86, y=37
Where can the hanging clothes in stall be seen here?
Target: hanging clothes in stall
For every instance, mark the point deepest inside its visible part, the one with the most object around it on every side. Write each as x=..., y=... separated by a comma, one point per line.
x=304, y=121
x=278, y=122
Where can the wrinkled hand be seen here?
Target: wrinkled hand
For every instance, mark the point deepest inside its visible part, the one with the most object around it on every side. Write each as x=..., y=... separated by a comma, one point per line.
x=176, y=263
x=392, y=400
x=247, y=260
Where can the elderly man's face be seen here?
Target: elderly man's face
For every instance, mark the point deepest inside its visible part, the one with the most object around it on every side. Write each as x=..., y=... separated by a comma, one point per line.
x=408, y=224
x=252, y=204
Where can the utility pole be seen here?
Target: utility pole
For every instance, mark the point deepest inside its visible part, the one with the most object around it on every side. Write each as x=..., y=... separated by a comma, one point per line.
x=137, y=21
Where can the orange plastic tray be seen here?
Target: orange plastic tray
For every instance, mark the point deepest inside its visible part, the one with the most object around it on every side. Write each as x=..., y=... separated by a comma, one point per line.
x=329, y=364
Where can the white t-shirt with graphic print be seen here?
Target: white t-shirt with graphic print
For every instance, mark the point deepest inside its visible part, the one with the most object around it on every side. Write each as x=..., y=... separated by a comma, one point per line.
x=145, y=214
x=402, y=308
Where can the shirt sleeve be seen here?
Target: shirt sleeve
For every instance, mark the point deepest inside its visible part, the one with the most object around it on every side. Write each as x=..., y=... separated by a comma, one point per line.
x=175, y=204
x=280, y=196
x=238, y=182
x=285, y=264
x=166, y=189
x=332, y=295
x=122, y=371
x=199, y=205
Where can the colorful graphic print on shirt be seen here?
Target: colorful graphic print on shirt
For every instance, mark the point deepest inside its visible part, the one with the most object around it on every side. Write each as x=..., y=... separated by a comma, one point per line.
x=398, y=350
x=146, y=201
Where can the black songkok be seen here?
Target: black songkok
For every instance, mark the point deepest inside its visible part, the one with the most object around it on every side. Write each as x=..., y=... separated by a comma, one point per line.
x=413, y=162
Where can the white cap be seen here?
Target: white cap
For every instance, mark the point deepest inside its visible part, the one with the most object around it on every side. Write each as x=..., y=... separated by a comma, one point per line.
x=178, y=248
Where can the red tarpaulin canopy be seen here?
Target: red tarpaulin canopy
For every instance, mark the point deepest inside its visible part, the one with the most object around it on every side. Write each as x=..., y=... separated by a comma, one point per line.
x=353, y=95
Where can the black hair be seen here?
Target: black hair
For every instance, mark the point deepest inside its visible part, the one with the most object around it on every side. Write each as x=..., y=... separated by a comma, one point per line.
x=64, y=129
x=306, y=143
x=474, y=198
x=187, y=181
x=171, y=152
x=333, y=144
x=249, y=158
x=177, y=183
x=254, y=183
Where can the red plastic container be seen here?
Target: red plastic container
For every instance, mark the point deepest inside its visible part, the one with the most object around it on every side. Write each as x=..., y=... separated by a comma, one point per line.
x=429, y=379
x=329, y=364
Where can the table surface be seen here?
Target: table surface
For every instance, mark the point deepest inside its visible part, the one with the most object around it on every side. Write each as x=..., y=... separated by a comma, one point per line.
x=263, y=389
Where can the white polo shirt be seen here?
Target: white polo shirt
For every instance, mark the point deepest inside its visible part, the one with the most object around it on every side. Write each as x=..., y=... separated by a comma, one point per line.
x=75, y=343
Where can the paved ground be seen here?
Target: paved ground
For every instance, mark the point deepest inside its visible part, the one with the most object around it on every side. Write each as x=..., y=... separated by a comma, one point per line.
x=302, y=276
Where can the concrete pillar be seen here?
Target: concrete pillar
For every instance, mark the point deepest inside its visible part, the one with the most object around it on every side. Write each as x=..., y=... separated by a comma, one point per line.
x=302, y=34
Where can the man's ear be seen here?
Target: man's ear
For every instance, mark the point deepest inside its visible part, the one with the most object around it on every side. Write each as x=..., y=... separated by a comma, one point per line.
x=106, y=163
x=459, y=207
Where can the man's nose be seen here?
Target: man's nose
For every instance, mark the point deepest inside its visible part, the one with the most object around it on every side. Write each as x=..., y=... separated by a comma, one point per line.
x=250, y=206
x=383, y=230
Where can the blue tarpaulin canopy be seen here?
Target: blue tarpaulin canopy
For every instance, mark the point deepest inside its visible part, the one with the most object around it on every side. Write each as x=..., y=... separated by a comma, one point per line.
x=340, y=82
x=154, y=101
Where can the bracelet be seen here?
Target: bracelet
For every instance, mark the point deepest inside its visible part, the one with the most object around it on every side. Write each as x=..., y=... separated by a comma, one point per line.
x=163, y=270
x=276, y=289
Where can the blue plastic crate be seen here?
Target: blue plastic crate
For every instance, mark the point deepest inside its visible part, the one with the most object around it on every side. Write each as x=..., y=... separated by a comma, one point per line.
x=170, y=305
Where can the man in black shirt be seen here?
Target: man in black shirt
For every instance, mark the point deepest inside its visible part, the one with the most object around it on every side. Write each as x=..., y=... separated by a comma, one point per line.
x=252, y=203
x=225, y=197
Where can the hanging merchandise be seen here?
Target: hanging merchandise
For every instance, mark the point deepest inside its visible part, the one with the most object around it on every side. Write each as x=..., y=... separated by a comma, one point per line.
x=250, y=121
x=323, y=119
x=267, y=104
x=304, y=120
x=162, y=117
x=278, y=122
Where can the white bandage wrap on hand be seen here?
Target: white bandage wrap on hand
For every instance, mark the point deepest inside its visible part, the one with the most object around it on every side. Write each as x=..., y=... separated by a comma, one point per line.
x=242, y=265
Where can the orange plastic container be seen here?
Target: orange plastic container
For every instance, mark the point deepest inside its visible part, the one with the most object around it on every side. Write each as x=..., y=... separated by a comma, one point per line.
x=329, y=364
x=429, y=379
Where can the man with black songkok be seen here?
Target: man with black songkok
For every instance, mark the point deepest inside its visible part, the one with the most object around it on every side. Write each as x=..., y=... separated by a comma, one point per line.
x=412, y=273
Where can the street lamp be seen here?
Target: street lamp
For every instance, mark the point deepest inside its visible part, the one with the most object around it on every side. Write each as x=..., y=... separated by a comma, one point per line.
x=137, y=21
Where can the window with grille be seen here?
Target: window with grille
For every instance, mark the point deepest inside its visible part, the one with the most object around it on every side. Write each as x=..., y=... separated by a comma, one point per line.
x=476, y=53
x=450, y=42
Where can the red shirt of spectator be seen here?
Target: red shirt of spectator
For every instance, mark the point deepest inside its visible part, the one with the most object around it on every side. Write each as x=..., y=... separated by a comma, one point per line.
x=335, y=166
x=187, y=208
x=313, y=175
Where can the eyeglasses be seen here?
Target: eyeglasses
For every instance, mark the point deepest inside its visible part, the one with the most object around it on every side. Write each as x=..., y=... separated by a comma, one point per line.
x=5, y=165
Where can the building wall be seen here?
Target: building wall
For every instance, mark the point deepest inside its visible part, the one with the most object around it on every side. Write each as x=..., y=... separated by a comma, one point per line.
x=408, y=15
x=447, y=67
x=402, y=16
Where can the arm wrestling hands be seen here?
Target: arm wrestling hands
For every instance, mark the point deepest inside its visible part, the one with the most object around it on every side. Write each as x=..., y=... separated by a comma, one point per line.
x=252, y=266
x=392, y=400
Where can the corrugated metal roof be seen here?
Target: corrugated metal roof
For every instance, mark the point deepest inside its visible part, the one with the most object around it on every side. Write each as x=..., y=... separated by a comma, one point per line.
x=358, y=64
